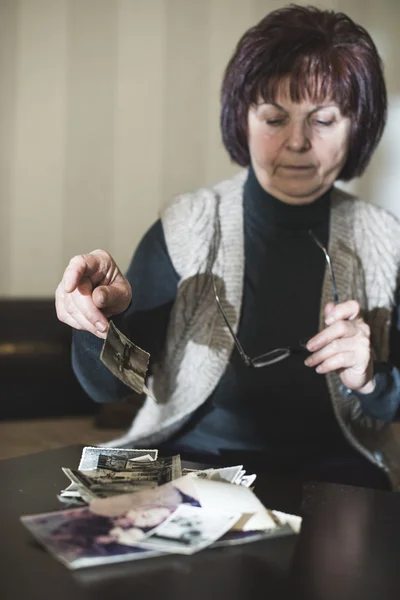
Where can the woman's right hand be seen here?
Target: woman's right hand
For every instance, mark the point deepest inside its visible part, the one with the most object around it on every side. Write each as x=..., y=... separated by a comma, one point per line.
x=92, y=289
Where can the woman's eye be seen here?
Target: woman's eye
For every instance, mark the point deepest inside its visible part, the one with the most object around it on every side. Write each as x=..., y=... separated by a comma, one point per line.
x=274, y=122
x=324, y=123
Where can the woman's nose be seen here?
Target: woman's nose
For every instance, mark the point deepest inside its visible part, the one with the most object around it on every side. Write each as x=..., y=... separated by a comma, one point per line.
x=298, y=139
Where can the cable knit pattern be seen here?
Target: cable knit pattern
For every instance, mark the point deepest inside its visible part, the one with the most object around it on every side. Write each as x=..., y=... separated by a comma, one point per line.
x=204, y=230
x=364, y=246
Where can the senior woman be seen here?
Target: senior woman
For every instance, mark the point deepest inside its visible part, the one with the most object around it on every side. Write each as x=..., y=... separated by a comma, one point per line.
x=275, y=262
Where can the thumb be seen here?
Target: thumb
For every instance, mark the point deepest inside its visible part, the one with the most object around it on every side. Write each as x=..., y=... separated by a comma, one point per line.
x=103, y=296
x=110, y=299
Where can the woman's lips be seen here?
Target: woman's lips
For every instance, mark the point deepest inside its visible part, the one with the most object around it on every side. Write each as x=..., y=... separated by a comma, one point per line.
x=297, y=167
x=297, y=170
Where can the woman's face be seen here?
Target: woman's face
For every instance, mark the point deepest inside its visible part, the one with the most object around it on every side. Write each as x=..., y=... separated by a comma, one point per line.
x=297, y=150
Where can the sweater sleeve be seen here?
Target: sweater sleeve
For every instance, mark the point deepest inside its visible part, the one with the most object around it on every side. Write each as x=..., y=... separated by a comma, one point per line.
x=384, y=402
x=154, y=284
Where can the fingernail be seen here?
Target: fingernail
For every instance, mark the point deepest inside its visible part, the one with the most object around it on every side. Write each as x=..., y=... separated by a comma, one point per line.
x=319, y=369
x=329, y=320
x=101, y=327
x=307, y=362
x=102, y=298
x=310, y=346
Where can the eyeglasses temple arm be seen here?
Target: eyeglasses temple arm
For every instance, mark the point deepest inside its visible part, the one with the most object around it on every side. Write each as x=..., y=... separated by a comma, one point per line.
x=329, y=262
x=238, y=345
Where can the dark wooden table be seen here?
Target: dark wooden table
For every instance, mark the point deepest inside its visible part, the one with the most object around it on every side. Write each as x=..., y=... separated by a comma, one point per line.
x=349, y=547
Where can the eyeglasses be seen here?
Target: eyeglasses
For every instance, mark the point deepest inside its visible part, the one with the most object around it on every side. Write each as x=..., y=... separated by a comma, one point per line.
x=274, y=356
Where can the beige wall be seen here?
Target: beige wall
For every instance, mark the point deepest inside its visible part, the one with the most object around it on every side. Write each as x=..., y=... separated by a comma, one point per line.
x=109, y=107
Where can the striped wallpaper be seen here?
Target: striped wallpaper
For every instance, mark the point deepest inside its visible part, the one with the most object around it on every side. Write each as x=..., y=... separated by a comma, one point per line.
x=110, y=107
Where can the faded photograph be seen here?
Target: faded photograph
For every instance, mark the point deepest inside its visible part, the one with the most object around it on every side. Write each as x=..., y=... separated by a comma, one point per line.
x=190, y=529
x=81, y=537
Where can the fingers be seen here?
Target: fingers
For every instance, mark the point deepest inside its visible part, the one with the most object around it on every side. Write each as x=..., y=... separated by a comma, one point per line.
x=349, y=310
x=92, y=288
x=79, y=304
x=79, y=267
x=328, y=309
x=339, y=329
x=87, y=315
x=78, y=310
x=68, y=320
x=342, y=353
x=343, y=346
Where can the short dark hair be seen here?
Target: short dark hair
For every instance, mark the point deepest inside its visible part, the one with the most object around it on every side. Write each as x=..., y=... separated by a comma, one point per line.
x=324, y=54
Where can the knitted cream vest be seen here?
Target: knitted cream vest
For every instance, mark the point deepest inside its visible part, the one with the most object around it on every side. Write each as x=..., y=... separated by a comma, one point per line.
x=204, y=230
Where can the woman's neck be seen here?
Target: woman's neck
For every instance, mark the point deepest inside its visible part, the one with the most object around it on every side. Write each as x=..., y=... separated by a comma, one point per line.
x=264, y=208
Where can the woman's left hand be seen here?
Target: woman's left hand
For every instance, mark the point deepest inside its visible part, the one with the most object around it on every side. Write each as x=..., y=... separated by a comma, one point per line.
x=344, y=346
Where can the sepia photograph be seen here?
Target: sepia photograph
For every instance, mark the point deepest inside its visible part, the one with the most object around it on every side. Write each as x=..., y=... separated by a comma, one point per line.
x=90, y=455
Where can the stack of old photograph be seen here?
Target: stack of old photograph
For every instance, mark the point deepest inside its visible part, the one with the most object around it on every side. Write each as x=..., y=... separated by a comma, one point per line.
x=131, y=504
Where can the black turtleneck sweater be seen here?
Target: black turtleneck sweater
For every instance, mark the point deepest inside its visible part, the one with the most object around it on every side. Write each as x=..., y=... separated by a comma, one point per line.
x=281, y=413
